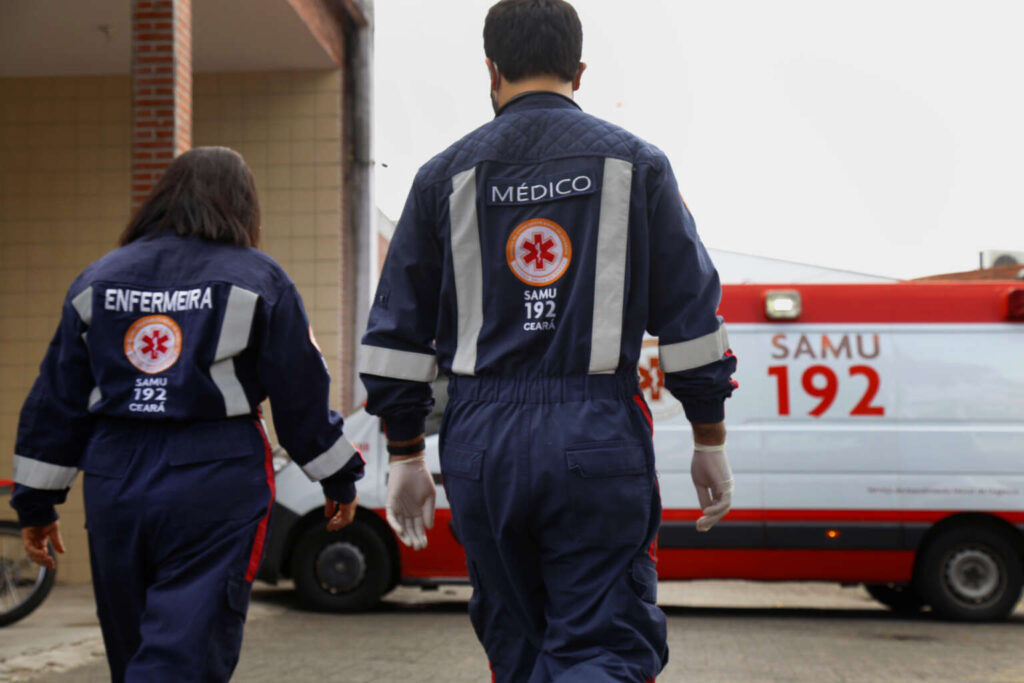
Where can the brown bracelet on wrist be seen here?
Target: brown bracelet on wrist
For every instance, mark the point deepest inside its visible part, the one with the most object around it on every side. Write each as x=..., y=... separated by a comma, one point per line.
x=406, y=448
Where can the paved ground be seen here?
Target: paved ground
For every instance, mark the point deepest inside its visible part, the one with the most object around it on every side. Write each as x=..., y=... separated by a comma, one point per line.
x=718, y=631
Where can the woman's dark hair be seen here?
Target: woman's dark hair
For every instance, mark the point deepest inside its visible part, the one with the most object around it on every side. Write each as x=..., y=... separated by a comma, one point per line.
x=206, y=192
x=527, y=38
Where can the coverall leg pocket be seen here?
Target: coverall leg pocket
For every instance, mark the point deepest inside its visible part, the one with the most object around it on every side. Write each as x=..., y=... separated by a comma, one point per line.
x=226, y=644
x=609, y=491
x=644, y=577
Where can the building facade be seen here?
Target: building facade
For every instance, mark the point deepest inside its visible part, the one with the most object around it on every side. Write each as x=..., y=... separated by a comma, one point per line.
x=87, y=124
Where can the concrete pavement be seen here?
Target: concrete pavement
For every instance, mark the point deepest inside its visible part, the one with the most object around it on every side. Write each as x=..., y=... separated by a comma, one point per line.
x=718, y=631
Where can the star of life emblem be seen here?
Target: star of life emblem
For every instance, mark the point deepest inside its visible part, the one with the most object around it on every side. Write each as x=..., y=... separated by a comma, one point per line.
x=662, y=404
x=153, y=344
x=538, y=252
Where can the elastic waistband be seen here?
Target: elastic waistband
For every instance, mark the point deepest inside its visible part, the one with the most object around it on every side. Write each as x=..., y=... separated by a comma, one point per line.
x=128, y=424
x=542, y=389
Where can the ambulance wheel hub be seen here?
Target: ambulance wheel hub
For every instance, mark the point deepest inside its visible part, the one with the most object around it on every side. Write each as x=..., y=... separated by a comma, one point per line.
x=340, y=567
x=973, y=574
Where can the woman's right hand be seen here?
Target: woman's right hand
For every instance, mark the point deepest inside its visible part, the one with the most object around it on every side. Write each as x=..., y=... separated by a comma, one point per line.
x=35, y=538
x=340, y=514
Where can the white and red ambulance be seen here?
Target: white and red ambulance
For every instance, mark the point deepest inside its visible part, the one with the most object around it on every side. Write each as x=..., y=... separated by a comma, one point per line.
x=877, y=437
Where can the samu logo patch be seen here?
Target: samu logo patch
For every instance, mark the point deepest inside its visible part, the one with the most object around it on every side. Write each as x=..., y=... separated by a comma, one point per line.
x=153, y=344
x=538, y=252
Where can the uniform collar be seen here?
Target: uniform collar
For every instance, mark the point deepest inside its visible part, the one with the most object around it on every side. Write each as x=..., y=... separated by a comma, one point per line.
x=538, y=99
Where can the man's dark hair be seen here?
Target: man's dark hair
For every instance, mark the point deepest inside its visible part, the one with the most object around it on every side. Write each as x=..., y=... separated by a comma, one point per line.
x=206, y=192
x=527, y=38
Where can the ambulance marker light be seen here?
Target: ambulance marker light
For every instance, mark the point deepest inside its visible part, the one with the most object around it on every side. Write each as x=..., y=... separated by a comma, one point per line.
x=1015, y=305
x=782, y=305
x=832, y=534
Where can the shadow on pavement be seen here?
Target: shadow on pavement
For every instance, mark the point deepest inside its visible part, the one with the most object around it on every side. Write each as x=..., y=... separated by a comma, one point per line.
x=290, y=600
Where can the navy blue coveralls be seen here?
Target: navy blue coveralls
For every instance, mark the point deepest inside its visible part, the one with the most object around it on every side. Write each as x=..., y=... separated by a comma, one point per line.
x=530, y=259
x=151, y=387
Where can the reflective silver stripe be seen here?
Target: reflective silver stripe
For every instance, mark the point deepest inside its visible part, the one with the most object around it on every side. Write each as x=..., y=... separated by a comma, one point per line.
x=42, y=475
x=687, y=355
x=234, y=337
x=468, y=269
x=330, y=461
x=416, y=367
x=83, y=304
x=610, y=279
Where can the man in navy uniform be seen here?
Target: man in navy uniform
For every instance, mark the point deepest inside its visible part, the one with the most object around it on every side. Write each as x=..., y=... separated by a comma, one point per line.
x=530, y=259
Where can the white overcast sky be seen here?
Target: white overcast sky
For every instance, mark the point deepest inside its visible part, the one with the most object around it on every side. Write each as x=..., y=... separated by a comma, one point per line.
x=882, y=136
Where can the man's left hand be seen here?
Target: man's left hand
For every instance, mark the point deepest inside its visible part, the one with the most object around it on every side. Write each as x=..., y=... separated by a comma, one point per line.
x=712, y=477
x=35, y=537
x=340, y=514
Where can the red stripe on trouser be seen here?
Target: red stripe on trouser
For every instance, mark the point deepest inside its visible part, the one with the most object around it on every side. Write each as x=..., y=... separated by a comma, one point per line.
x=494, y=674
x=261, y=530
x=643, y=406
x=652, y=552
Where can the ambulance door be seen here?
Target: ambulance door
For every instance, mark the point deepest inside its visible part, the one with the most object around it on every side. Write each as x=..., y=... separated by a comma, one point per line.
x=962, y=436
x=433, y=448
x=443, y=559
x=682, y=550
x=817, y=399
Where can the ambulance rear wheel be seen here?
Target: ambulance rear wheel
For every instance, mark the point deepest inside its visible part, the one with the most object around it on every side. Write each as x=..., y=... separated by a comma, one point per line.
x=899, y=597
x=971, y=573
x=341, y=571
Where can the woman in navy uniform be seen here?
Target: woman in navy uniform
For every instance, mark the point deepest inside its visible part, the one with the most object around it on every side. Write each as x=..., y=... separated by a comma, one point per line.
x=152, y=386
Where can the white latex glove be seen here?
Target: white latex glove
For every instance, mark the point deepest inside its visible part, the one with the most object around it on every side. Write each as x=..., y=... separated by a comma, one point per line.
x=411, y=495
x=713, y=479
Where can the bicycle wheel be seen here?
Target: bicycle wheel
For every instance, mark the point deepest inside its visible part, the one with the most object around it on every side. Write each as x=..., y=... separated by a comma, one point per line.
x=23, y=584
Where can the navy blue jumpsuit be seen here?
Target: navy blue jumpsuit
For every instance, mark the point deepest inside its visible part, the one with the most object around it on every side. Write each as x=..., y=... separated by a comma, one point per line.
x=531, y=257
x=151, y=387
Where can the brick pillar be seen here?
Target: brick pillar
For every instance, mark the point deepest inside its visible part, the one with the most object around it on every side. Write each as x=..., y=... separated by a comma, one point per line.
x=161, y=89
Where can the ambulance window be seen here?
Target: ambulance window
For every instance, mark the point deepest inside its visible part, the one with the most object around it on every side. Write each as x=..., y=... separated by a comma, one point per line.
x=440, y=401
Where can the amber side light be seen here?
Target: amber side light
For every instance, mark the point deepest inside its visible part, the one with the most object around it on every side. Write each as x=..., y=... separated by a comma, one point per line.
x=782, y=305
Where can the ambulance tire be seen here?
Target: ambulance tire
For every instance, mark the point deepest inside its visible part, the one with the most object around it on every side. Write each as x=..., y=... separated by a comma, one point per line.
x=971, y=573
x=899, y=597
x=341, y=571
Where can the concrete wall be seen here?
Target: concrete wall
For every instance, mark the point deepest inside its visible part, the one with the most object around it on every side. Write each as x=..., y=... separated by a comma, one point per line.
x=65, y=196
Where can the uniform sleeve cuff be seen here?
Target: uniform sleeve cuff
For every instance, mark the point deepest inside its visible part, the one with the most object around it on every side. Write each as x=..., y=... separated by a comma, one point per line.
x=704, y=412
x=40, y=516
x=340, y=487
x=403, y=427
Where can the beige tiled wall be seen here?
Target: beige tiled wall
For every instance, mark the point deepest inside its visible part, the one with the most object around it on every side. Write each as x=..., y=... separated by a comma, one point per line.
x=64, y=198
x=287, y=126
x=64, y=178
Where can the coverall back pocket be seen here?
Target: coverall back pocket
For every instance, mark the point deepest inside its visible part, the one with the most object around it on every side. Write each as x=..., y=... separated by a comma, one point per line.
x=609, y=490
x=462, y=461
x=109, y=453
x=214, y=441
x=462, y=471
x=218, y=472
